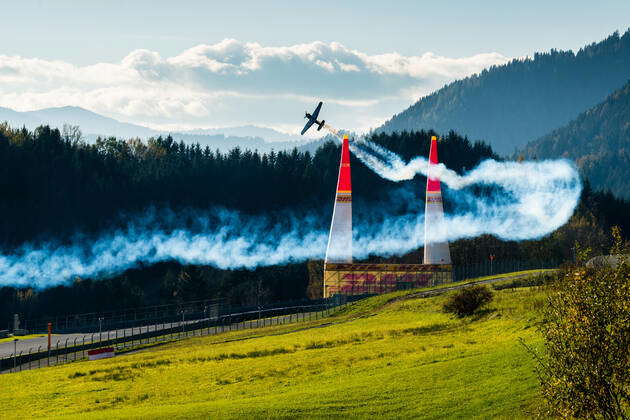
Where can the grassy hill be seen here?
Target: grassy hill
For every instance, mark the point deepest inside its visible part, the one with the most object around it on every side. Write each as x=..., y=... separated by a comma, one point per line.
x=388, y=356
x=509, y=105
x=598, y=140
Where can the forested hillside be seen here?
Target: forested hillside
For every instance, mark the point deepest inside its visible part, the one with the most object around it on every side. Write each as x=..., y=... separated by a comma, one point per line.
x=54, y=186
x=509, y=105
x=598, y=140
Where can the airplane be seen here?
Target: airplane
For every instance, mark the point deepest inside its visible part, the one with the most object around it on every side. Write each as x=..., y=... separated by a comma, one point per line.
x=312, y=119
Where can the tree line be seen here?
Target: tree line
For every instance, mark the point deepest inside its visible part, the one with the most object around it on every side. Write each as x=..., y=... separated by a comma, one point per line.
x=53, y=185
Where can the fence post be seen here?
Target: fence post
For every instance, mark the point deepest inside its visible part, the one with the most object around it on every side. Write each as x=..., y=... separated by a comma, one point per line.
x=39, y=359
x=183, y=324
x=15, y=340
x=28, y=358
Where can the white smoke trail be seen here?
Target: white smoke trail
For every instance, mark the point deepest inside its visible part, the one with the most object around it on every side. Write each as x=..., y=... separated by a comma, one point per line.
x=525, y=175
x=534, y=198
x=221, y=238
x=332, y=130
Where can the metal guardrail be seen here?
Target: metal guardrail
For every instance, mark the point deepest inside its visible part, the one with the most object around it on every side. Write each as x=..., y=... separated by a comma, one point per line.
x=205, y=322
x=76, y=349
x=116, y=319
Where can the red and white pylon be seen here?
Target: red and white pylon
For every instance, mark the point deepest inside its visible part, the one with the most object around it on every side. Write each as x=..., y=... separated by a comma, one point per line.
x=436, y=249
x=339, y=248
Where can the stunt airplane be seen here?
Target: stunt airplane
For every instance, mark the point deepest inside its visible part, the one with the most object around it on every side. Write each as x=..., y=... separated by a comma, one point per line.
x=312, y=119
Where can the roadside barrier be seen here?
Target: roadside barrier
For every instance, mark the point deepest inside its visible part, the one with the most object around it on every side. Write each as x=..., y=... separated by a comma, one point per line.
x=78, y=348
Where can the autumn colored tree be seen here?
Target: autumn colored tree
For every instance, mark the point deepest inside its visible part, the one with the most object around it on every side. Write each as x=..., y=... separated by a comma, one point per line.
x=585, y=371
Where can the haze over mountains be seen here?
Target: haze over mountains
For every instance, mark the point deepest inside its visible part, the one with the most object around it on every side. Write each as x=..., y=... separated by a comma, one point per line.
x=510, y=105
x=90, y=122
x=556, y=104
x=598, y=140
x=92, y=125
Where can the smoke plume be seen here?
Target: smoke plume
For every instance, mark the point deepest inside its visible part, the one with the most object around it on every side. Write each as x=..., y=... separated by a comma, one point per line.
x=528, y=200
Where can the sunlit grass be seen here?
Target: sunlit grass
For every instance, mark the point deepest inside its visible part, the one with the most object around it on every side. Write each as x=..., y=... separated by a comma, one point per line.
x=379, y=358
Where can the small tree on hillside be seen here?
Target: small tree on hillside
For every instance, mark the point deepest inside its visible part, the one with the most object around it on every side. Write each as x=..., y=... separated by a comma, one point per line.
x=466, y=301
x=585, y=372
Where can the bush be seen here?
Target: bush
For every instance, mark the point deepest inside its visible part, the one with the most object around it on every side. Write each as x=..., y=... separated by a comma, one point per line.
x=467, y=300
x=585, y=369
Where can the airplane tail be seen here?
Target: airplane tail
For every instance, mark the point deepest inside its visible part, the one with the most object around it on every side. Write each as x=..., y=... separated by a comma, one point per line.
x=321, y=125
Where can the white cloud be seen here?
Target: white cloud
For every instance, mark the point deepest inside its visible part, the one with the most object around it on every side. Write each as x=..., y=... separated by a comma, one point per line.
x=233, y=82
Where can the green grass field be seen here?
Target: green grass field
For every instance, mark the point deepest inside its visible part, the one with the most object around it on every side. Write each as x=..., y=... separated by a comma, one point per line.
x=400, y=359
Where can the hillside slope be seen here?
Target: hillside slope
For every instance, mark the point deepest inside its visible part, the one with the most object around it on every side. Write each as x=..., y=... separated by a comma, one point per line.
x=509, y=105
x=406, y=359
x=598, y=140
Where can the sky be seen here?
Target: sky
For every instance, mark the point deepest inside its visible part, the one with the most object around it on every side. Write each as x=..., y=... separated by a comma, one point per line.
x=195, y=64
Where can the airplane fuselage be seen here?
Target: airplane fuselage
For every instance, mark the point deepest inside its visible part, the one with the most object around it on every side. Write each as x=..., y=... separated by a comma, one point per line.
x=312, y=119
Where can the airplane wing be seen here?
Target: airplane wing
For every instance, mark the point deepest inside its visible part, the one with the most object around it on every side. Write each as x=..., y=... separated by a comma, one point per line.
x=316, y=113
x=308, y=125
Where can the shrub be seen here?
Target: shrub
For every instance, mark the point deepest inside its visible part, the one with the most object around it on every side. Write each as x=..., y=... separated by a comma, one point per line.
x=585, y=370
x=466, y=301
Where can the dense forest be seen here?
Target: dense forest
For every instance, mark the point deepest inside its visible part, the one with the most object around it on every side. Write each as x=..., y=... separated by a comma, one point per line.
x=54, y=185
x=512, y=104
x=598, y=140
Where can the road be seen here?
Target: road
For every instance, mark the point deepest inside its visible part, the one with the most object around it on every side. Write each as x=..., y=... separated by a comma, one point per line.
x=41, y=343
x=177, y=333
x=7, y=348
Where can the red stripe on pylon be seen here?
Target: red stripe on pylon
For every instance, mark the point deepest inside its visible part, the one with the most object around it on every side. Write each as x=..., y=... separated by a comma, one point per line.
x=345, y=179
x=433, y=184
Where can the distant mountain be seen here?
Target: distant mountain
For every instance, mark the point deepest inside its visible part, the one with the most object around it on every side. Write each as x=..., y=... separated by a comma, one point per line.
x=90, y=122
x=509, y=105
x=269, y=134
x=225, y=143
x=18, y=119
x=93, y=125
x=598, y=140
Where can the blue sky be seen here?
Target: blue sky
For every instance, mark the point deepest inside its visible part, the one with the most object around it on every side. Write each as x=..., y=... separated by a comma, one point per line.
x=206, y=64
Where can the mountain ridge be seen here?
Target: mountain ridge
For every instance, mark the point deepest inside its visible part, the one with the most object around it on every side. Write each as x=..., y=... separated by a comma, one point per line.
x=597, y=140
x=511, y=104
x=94, y=125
